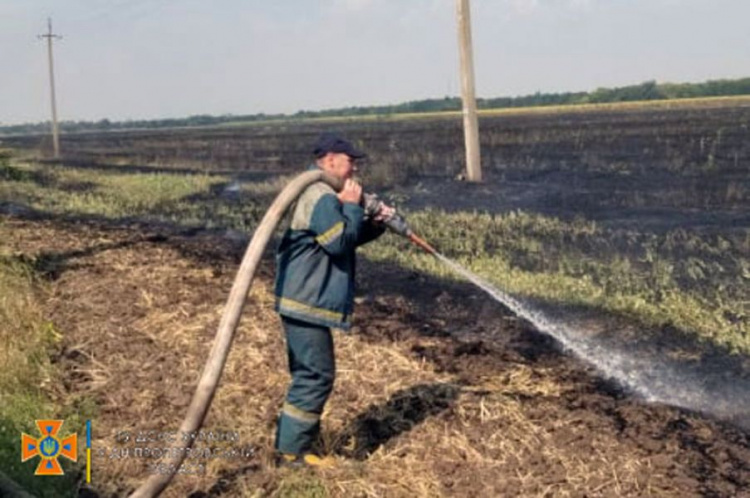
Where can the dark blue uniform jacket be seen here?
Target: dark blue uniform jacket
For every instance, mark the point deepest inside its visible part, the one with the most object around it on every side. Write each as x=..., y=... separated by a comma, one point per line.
x=316, y=258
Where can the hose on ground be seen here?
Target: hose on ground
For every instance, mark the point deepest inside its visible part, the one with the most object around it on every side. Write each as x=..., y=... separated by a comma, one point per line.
x=209, y=380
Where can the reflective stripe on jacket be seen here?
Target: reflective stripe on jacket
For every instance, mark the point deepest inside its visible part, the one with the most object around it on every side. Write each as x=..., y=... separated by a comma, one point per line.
x=315, y=262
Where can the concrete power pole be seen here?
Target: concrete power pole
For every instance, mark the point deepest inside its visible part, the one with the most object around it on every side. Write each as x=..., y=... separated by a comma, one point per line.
x=471, y=126
x=55, y=133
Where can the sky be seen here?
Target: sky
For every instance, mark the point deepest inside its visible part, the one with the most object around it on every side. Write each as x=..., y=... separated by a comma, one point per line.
x=151, y=59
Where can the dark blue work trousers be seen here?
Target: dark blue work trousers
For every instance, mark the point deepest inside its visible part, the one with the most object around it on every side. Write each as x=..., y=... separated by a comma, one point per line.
x=313, y=368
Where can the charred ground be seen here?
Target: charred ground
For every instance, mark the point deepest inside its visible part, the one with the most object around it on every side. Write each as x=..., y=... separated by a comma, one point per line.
x=440, y=389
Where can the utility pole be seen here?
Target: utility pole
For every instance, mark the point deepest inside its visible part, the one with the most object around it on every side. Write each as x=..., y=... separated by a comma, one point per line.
x=55, y=133
x=471, y=126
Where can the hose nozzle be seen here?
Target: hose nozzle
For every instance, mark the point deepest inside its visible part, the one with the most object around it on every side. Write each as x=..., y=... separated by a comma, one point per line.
x=396, y=223
x=421, y=243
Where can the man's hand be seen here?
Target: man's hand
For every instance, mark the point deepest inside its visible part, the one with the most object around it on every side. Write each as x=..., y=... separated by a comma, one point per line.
x=351, y=193
x=385, y=213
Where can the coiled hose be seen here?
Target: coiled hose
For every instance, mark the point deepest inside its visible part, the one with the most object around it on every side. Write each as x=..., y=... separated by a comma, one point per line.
x=206, y=389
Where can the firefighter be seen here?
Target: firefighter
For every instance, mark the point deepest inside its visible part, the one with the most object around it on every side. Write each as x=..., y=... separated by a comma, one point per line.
x=315, y=291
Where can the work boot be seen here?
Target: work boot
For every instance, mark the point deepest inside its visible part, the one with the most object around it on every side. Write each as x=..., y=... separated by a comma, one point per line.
x=307, y=460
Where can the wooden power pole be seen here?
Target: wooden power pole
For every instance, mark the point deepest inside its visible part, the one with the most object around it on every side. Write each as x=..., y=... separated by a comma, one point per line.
x=55, y=132
x=471, y=126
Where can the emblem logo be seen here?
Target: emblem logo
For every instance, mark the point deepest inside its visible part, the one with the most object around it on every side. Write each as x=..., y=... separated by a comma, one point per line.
x=49, y=447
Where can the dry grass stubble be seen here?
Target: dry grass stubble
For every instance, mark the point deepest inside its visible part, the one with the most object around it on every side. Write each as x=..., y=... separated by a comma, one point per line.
x=138, y=321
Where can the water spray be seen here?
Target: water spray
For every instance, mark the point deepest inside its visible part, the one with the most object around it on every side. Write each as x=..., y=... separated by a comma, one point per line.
x=649, y=373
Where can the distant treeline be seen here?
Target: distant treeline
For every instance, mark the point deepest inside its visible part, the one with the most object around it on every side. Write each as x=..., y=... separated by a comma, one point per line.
x=649, y=90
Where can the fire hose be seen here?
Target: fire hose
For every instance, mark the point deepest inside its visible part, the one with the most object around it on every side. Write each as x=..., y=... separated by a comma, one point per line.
x=212, y=371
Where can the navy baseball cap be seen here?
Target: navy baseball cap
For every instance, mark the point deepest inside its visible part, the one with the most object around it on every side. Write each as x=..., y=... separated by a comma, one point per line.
x=330, y=142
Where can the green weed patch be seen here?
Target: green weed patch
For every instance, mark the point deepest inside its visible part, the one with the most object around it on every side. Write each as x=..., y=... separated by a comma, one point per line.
x=695, y=282
x=176, y=198
x=26, y=372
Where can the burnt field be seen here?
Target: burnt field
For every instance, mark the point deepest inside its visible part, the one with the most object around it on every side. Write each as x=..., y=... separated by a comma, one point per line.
x=688, y=156
x=630, y=225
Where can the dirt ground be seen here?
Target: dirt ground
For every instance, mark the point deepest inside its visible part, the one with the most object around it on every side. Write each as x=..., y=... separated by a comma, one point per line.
x=440, y=391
